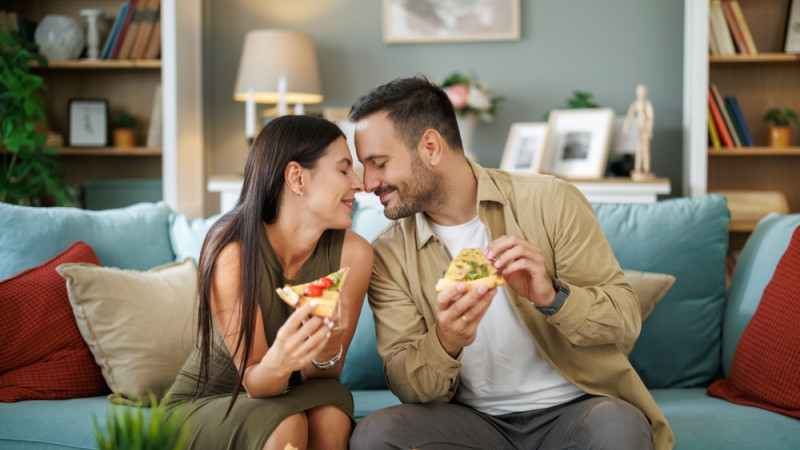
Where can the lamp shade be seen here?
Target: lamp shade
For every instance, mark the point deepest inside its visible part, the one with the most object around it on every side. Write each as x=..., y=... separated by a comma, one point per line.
x=269, y=54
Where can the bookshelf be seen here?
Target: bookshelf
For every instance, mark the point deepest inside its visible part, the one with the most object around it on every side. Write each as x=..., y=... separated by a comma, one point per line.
x=129, y=85
x=767, y=79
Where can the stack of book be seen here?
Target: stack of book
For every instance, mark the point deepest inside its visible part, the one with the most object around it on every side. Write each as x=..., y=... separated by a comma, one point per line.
x=136, y=33
x=726, y=124
x=729, y=33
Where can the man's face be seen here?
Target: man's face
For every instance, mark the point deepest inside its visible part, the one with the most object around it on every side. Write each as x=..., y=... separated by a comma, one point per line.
x=397, y=175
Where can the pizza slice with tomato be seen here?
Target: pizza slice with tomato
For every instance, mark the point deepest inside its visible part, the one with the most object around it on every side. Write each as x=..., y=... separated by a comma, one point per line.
x=325, y=291
x=470, y=266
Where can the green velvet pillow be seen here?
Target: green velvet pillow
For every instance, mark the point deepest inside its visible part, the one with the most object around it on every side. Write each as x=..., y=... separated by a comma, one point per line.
x=680, y=342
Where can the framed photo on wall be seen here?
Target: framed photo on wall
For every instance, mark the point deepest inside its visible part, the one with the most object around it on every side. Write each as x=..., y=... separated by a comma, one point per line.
x=578, y=141
x=524, y=150
x=450, y=20
x=88, y=123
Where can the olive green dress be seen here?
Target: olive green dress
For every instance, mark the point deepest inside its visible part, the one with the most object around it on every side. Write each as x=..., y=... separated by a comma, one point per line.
x=252, y=420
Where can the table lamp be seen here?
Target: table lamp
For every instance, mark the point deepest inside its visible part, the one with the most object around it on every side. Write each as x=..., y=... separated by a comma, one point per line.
x=277, y=67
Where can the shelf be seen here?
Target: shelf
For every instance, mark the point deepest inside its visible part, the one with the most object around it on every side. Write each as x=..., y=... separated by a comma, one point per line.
x=109, y=151
x=101, y=64
x=759, y=58
x=755, y=151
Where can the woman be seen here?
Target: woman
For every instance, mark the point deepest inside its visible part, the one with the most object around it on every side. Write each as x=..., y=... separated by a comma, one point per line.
x=289, y=227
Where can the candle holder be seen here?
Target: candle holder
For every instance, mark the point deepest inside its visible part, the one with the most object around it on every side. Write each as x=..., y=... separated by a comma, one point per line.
x=92, y=33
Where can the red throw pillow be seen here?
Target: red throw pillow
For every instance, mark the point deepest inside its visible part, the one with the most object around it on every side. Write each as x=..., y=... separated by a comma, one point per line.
x=42, y=353
x=765, y=371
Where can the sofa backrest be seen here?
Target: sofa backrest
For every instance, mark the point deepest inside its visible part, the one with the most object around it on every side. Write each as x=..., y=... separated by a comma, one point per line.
x=680, y=342
x=135, y=237
x=754, y=270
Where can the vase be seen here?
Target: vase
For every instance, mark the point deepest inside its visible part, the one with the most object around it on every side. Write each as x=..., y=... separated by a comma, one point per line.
x=780, y=136
x=92, y=33
x=466, y=128
x=59, y=38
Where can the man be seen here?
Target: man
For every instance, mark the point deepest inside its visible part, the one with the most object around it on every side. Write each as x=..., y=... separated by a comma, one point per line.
x=534, y=364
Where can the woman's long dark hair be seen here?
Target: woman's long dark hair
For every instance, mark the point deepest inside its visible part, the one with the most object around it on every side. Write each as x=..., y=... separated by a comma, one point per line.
x=302, y=139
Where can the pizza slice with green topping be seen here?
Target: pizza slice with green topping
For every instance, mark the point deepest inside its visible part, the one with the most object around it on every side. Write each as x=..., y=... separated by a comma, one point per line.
x=472, y=267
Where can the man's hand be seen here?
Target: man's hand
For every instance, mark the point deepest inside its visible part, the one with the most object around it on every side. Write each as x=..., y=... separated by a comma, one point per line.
x=522, y=265
x=458, y=314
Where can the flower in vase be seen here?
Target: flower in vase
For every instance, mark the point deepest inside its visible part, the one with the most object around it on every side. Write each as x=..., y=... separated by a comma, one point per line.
x=469, y=97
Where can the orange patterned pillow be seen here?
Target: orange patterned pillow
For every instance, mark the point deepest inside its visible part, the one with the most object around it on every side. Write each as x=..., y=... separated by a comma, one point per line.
x=765, y=372
x=43, y=355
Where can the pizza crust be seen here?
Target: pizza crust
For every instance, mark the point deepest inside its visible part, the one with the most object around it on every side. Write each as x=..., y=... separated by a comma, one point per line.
x=293, y=295
x=463, y=268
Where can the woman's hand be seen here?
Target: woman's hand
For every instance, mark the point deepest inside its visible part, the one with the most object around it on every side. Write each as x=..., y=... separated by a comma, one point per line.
x=299, y=340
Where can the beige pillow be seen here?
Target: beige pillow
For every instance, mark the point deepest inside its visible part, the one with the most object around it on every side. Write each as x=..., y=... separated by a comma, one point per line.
x=649, y=288
x=138, y=325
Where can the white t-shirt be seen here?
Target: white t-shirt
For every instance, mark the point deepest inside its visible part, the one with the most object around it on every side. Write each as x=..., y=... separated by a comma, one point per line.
x=502, y=370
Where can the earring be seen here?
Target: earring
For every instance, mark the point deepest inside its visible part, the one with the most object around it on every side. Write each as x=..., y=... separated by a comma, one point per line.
x=300, y=193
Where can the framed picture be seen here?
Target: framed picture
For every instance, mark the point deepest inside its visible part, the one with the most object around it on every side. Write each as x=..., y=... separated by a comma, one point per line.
x=525, y=147
x=792, y=44
x=577, y=142
x=88, y=123
x=419, y=21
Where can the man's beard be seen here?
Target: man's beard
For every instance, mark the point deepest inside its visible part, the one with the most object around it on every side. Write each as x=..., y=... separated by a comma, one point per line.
x=420, y=193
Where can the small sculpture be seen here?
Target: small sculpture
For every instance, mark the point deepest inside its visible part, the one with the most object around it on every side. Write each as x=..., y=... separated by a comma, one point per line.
x=642, y=110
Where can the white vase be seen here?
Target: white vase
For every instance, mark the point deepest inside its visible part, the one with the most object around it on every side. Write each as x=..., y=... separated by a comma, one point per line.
x=92, y=33
x=466, y=127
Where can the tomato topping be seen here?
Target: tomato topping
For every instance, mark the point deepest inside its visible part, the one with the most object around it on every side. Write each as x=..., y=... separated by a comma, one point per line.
x=325, y=282
x=313, y=290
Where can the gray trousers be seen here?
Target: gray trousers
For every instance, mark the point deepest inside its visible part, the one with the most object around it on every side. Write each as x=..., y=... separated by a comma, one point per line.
x=589, y=422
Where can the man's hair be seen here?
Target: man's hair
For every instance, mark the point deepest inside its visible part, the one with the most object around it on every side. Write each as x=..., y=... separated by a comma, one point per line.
x=414, y=105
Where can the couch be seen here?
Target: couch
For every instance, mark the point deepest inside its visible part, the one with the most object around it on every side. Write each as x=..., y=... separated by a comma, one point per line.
x=688, y=340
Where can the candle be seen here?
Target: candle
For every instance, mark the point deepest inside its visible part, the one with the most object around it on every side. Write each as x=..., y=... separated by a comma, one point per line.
x=282, y=88
x=250, y=115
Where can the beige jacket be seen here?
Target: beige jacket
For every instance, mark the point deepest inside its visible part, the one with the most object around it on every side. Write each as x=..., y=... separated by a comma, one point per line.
x=580, y=340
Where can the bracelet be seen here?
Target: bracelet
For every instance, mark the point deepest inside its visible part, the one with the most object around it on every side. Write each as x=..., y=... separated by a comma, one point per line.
x=331, y=363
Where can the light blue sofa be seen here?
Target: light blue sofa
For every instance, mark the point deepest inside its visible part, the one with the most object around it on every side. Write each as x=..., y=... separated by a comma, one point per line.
x=685, y=344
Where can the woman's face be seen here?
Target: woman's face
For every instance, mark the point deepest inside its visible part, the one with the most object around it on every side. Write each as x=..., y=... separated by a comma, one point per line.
x=332, y=186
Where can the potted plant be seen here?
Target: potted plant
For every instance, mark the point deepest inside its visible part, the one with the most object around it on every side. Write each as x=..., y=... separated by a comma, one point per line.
x=31, y=175
x=780, y=132
x=124, y=126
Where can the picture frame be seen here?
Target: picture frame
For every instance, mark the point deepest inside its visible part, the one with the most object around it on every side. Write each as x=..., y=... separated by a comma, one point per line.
x=88, y=123
x=524, y=151
x=578, y=142
x=792, y=41
x=424, y=21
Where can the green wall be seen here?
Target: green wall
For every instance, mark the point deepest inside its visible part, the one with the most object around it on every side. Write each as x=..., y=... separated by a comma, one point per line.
x=605, y=47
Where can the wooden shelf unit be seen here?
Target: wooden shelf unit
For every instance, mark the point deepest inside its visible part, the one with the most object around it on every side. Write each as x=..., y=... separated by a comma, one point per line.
x=769, y=79
x=127, y=85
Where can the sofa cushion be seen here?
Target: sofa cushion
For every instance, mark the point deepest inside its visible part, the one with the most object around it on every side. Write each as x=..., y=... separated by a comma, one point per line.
x=754, y=269
x=187, y=235
x=649, y=288
x=679, y=345
x=766, y=365
x=138, y=324
x=134, y=237
x=42, y=355
x=709, y=423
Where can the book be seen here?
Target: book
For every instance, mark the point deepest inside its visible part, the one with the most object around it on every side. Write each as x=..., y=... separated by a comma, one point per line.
x=713, y=136
x=724, y=112
x=114, y=33
x=123, y=30
x=154, y=130
x=748, y=38
x=722, y=129
x=736, y=32
x=145, y=28
x=153, y=49
x=738, y=118
x=720, y=29
x=133, y=28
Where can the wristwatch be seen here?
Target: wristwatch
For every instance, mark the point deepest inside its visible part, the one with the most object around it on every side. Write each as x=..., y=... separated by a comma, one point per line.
x=562, y=292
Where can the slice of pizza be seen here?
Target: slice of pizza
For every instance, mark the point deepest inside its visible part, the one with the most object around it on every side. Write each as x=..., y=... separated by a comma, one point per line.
x=325, y=291
x=472, y=267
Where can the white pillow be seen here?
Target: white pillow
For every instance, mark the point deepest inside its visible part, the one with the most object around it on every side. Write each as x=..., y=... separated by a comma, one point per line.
x=138, y=325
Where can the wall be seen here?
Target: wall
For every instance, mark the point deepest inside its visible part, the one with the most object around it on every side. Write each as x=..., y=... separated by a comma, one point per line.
x=605, y=47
